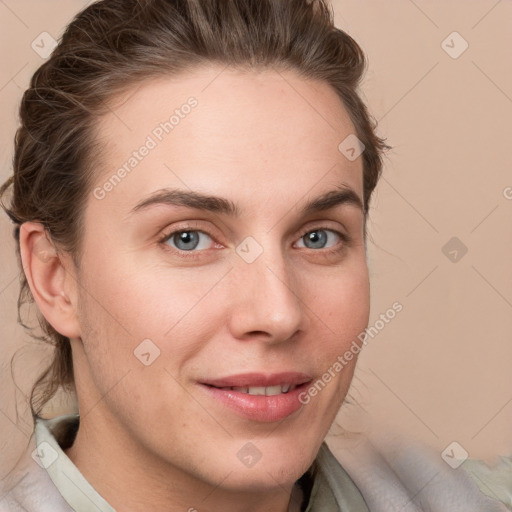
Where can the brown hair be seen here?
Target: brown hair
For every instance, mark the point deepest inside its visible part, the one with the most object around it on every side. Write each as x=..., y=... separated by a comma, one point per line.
x=113, y=45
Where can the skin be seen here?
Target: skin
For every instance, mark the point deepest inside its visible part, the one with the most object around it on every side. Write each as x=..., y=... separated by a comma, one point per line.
x=149, y=437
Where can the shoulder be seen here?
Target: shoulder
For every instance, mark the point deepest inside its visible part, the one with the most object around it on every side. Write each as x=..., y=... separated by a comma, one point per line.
x=400, y=474
x=30, y=487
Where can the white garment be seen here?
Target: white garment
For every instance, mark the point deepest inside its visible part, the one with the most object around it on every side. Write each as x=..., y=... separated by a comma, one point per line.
x=394, y=478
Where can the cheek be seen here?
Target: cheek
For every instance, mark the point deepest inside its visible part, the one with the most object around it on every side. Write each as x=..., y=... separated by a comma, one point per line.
x=343, y=311
x=127, y=304
x=344, y=304
x=341, y=315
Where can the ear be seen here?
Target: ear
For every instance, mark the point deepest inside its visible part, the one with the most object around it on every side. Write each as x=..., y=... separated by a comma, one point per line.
x=51, y=278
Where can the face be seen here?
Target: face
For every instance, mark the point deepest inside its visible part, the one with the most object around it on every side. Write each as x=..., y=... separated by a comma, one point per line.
x=182, y=298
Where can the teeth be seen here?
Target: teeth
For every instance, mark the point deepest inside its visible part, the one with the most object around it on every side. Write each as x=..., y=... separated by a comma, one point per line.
x=242, y=390
x=260, y=390
x=272, y=390
x=257, y=391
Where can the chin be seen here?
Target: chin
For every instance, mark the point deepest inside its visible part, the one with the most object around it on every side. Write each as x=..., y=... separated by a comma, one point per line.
x=266, y=464
x=265, y=477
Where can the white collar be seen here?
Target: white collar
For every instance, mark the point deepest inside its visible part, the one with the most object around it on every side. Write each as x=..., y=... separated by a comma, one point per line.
x=73, y=486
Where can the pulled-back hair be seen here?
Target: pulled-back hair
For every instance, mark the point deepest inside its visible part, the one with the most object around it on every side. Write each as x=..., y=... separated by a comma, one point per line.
x=111, y=47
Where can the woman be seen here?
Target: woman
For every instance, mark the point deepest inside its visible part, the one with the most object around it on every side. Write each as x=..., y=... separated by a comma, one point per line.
x=191, y=186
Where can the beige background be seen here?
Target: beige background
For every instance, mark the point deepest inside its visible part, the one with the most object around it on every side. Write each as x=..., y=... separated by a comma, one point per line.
x=441, y=369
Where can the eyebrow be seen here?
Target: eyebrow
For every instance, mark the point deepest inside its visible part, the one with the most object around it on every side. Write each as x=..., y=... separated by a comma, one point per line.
x=175, y=197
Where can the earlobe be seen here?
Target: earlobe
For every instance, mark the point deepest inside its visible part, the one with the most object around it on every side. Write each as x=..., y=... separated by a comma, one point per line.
x=49, y=279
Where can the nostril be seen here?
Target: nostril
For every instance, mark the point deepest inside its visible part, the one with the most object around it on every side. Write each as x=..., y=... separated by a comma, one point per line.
x=258, y=333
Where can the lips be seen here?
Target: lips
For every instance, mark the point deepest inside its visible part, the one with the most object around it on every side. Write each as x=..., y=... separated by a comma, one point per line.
x=259, y=396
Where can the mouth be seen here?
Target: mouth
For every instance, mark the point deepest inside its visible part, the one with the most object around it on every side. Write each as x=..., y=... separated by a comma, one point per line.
x=257, y=396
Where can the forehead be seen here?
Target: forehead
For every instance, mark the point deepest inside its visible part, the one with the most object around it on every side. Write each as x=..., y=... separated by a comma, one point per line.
x=213, y=129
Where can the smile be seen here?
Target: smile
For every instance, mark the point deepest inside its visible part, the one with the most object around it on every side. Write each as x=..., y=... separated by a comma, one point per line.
x=258, y=397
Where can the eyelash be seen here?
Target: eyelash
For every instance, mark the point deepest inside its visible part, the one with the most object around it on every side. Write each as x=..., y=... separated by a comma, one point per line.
x=345, y=240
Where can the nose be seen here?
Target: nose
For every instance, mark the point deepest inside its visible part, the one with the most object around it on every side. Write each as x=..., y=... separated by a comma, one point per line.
x=267, y=303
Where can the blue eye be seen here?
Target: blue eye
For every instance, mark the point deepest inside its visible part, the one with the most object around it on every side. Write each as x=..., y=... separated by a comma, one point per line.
x=186, y=240
x=317, y=238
